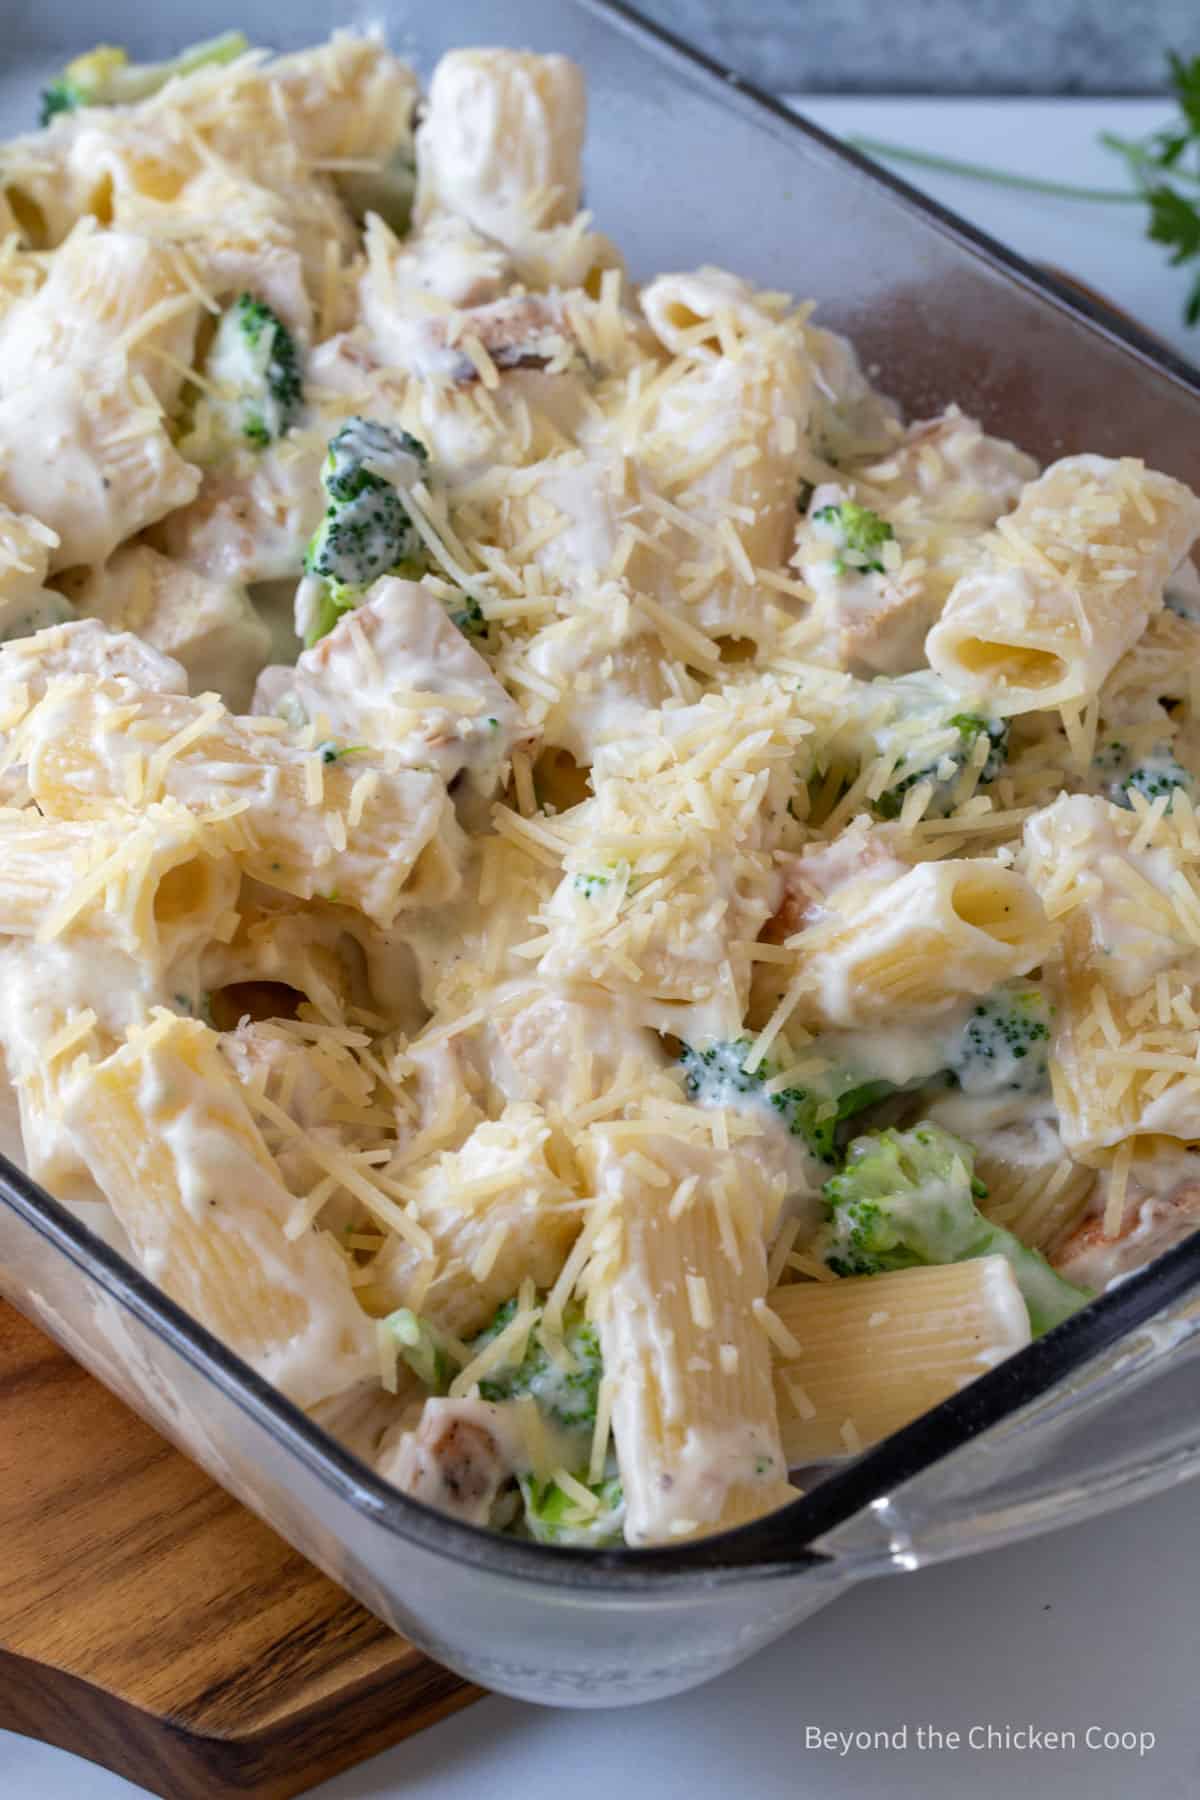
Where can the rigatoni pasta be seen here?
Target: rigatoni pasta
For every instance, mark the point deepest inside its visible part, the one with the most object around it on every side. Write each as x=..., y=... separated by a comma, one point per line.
x=1034, y=1188
x=367, y=835
x=872, y=1353
x=173, y=1146
x=680, y=1277
x=916, y=945
x=501, y=141
x=495, y=1211
x=1066, y=584
x=612, y=915
x=1124, y=886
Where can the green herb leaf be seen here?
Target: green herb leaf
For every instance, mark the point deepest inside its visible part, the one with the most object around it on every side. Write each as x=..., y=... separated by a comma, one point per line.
x=1157, y=164
x=1185, y=80
x=1175, y=222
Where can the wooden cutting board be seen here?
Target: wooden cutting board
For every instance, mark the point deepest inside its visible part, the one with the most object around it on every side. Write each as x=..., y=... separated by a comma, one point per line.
x=150, y=1623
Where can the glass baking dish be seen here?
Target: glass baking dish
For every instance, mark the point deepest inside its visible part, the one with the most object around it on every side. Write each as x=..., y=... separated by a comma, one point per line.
x=686, y=165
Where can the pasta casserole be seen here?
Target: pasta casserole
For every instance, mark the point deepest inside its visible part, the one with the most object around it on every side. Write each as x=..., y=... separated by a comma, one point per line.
x=613, y=916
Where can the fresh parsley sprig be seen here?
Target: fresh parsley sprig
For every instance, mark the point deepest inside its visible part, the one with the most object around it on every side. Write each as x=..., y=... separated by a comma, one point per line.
x=1163, y=167
x=1161, y=162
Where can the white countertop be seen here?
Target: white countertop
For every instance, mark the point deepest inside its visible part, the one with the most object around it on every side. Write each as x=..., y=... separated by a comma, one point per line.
x=1085, y=1632
x=1101, y=244
x=1090, y=1629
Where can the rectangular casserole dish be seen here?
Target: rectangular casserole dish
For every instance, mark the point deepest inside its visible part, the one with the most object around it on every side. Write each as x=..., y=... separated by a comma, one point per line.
x=686, y=165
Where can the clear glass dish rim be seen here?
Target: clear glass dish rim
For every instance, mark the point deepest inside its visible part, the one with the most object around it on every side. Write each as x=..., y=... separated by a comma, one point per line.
x=778, y=1547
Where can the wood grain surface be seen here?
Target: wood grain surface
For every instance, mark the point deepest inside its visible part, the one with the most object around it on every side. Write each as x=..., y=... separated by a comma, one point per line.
x=150, y=1623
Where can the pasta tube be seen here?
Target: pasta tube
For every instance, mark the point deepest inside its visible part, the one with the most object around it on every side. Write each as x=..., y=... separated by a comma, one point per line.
x=160, y=886
x=167, y=1135
x=101, y=922
x=1160, y=667
x=872, y=1352
x=495, y=1213
x=350, y=98
x=678, y=1283
x=1125, y=886
x=1034, y=1189
x=208, y=627
x=108, y=294
x=373, y=838
x=398, y=673
x=912, y=946
x=112, y=470
x=726, y=445
x=501, y=141
x=1066, y=584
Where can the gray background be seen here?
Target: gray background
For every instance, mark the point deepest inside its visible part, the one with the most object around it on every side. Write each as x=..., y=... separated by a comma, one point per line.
x=940, y=46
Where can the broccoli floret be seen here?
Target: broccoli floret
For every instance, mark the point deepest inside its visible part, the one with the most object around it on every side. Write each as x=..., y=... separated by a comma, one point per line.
x=1004, y=1046
x=715, y=1074
x=944, y=766
x=256, y=368
x=916, y=722
x=63, y=95
x=331, y=751
x=361, y=539
x=907, y=1198
x=565, y=1389
x=591, y=885
x=859, y=535
x=715, y=1077
x=818, y=1115
x=565, y=1384
x=555, y=1516
x=1154, y=776
x=467, y=614
x=388, y=190
x=106, y=77
x=364, y=457
x=421, y=1348
x=367, y=530
x=329, y=607
x=969, y=726
x=1125, y=773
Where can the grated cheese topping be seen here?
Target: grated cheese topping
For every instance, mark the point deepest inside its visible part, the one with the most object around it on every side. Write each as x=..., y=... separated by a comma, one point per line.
x=724, y=764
